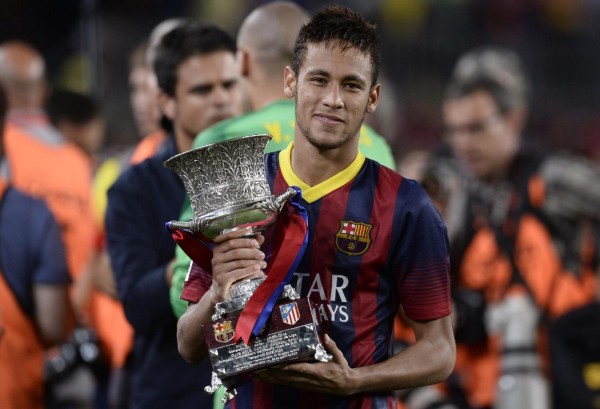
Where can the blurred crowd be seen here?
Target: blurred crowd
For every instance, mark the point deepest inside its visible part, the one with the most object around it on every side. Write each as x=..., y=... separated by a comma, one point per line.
x=491, y=106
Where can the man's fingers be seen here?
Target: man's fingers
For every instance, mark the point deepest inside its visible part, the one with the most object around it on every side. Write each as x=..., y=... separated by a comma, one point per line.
x=240, y=267
x=238, y=258
x=332, y=348
x=233, y=235
x=259, y=238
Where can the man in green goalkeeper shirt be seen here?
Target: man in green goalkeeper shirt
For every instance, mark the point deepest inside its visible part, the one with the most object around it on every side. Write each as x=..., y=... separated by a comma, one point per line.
x=265, y=44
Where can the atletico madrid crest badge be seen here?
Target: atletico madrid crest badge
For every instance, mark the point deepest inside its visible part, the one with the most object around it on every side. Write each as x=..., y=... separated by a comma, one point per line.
x=223, y=331
x=353, y=238
x=290, y=314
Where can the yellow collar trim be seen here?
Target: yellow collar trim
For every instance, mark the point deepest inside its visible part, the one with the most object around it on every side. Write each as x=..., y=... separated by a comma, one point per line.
x=314, y=193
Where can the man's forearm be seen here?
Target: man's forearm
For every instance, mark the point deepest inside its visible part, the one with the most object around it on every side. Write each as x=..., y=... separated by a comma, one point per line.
x=190, y=336
x=429, y=360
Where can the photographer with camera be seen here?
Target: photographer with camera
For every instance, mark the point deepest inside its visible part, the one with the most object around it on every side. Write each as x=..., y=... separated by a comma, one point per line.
x=520, y=233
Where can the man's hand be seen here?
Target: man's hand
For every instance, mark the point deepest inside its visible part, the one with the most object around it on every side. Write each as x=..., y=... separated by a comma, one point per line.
x=235, y=258
x=334, y=377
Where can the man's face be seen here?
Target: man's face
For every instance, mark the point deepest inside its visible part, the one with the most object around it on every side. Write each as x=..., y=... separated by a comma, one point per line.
x=481, y=137
x=332, y=92
x=88, y=136
x=144, y=99
x=207, y=92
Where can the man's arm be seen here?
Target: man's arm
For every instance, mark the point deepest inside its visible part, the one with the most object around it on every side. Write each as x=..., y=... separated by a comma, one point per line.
x=234, y=259
x=53, y=311
x=429, y=360
x=140, y=271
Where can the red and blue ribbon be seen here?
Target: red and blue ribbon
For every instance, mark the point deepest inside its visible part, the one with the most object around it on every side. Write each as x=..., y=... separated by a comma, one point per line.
x=288, y=245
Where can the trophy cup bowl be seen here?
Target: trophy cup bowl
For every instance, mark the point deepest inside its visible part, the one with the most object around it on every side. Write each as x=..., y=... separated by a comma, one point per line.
x=227, y=186
x=228, y=191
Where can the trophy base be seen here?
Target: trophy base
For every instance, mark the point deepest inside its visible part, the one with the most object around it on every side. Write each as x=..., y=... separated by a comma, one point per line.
x=290, y=335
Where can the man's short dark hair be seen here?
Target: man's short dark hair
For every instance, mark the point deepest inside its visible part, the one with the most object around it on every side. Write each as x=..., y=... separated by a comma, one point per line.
x=185, y=41
x=342, y=27
x=66, y=105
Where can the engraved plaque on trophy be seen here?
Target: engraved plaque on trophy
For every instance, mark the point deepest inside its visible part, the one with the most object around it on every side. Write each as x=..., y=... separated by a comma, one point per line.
x=228, y=191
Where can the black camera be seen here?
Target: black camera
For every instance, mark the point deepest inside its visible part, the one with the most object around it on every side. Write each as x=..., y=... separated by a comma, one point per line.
x=469, y=307
x=81, y=349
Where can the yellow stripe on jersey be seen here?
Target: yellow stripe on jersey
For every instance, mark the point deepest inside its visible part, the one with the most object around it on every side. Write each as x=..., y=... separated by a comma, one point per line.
x=314, y=193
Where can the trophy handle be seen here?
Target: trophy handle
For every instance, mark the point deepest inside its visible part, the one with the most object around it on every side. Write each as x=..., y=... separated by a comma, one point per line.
x=191, y=225
x=276, y=203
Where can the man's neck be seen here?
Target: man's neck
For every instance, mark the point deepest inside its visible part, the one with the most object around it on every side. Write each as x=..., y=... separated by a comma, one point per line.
x=263, y=93
x=182, y=141
x=314, y=166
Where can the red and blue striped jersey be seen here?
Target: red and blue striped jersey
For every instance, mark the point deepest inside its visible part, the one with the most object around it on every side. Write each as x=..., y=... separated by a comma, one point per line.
x=376, y=242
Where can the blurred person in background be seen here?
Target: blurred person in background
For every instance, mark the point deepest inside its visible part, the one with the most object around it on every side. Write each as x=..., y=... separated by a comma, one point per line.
x=152, y=129
x=152, y=125
x=143, y=92
x=44, y=164
x=40, y=160
x=35, y=310
x=197, y=76
x=263, y=55
x=79, y=118
x=523, y=245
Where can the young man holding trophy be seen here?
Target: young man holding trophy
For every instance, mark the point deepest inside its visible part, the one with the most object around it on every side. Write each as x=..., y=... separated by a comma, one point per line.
x=375, y=243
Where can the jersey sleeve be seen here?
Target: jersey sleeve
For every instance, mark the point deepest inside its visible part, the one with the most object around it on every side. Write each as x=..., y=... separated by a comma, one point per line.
x=196, y=284
x=51, y=266
x=422, y=259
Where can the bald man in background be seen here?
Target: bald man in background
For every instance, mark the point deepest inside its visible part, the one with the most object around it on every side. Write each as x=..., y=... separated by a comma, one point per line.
x=265, y=45
x=41, y=162
x=44, y=164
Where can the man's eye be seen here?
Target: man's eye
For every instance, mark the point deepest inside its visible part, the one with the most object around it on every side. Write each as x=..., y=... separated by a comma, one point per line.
x=229, y=84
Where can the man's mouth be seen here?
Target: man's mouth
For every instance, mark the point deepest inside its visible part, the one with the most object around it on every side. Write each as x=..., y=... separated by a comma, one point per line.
x=329, y=119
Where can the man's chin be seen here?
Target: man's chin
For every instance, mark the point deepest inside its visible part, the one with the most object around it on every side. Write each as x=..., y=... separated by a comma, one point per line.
x=322, y=145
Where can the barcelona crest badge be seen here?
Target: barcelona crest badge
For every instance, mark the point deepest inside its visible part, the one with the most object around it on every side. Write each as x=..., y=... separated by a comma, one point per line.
x=223, y=331
x=353, y=238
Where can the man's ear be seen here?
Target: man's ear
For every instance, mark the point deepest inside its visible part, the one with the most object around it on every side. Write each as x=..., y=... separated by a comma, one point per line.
x=373, y=98
x=243, y=61
x=289, y=82
x=167, y=105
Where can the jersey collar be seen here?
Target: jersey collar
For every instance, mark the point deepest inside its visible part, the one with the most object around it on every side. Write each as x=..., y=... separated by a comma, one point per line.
x=314, y=193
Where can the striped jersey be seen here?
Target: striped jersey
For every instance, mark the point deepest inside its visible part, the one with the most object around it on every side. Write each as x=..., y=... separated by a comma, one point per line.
x=376, y=243
x=277, y=119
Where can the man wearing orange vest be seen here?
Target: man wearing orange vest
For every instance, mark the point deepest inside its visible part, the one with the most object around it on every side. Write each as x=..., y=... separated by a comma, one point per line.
x=34, y=301
x=43, y=164
x=40, y=161
x=517, y=265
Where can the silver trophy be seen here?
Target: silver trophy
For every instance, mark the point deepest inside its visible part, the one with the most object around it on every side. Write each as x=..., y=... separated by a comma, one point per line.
x=228, y=191
x=227, y=186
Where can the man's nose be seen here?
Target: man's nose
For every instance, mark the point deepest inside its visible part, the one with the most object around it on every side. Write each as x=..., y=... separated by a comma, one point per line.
x=333, y=97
